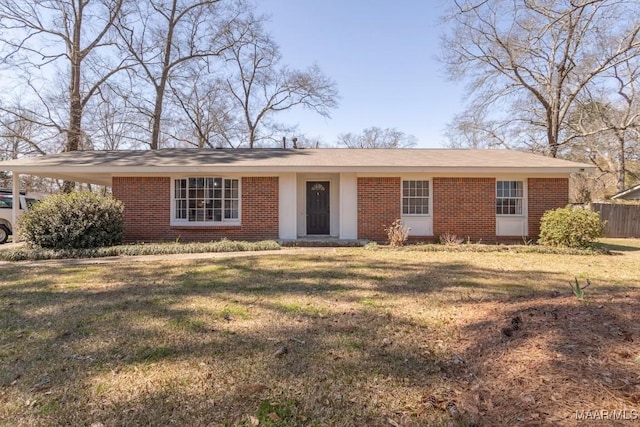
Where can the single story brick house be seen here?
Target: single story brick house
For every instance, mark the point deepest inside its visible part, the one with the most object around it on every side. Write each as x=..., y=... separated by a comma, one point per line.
x=289, y=194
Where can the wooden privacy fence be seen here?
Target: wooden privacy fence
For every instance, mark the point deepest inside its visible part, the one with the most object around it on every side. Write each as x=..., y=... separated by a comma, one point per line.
x=622, y=220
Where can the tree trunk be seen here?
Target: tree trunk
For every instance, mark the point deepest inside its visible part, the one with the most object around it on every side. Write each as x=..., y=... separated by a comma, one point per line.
x=160, y=88
x=157, y=113
x=622, y=167
x=552, y=137
x=74, y=132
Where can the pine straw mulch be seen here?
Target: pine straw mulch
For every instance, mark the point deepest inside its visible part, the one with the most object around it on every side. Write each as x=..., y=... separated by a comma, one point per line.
x=549, y=360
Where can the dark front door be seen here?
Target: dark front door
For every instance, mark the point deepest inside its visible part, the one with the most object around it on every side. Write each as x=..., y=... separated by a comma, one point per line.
x=318, y=218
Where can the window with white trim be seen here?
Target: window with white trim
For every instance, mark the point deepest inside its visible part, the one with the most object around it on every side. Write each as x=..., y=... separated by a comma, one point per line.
x=509, y=197
x=415, y=197
x=206, y=200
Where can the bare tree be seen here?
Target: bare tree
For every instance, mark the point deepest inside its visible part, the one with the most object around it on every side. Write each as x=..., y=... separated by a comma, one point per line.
x=113, y=124
x=606, y=125
x=39, y=33
x=375, y=137
x=164, y=38
x=43, y=37
x=22, y=135
x=259, y=87
x=18, y=133
x=528, y=62
x=472, y=129
x=211, y=116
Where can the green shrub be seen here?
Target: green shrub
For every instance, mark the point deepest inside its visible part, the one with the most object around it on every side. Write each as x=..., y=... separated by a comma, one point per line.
x=77, y=220
x=23, y=253
x=571, y=228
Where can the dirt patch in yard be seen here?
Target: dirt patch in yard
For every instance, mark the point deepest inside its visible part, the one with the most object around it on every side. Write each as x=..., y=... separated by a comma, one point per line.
x=550, y=361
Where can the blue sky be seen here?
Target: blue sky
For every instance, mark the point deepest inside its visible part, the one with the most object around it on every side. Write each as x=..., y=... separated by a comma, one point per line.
x=381, y=54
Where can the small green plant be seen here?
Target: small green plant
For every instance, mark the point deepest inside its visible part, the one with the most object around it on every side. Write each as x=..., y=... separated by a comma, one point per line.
x=153, y=354
x=77, y=220
x=397, y=233
x=275, y=414
x=369, y=302
x=578, y=290
x=571, y=228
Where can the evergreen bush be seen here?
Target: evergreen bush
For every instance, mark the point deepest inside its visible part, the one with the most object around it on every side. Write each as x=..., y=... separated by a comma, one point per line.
x=77, y=220
x=570, y=228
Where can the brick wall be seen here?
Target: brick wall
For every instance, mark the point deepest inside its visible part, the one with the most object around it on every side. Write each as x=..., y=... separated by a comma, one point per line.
x=148, y=211
x=545, y=194
x=378, y=206
x=465, y=207
x=462, y=206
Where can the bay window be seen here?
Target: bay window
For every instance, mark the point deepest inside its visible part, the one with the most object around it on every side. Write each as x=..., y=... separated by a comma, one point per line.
x=206, y=200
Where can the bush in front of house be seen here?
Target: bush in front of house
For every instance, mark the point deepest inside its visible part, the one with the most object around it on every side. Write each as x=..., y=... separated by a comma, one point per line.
x=397, y=233
x=570, y=228
x=23, y=253
x=77, y=220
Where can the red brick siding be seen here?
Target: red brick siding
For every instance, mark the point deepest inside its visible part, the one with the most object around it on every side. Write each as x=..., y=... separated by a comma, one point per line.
x=545, y=194
x=378, y=206
x=146, y=207
x=465, y=207
x=148, y=211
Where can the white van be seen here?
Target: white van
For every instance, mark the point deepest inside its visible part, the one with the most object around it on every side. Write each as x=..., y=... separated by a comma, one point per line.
x=6, y=211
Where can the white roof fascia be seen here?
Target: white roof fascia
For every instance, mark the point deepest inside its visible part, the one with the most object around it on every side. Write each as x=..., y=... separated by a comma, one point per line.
x=164, y=170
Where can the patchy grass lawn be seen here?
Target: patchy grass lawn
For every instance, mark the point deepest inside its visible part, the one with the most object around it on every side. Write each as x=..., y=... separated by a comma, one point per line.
x=337, y=337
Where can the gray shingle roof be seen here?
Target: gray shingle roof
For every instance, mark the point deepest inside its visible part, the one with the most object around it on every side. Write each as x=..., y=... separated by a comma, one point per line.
x=428, y=158
x=96, y=166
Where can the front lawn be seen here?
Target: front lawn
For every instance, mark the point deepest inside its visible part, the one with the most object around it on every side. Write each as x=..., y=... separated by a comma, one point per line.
x=344, y=336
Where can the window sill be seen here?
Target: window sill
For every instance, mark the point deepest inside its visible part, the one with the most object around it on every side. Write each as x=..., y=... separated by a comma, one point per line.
x=220, y=226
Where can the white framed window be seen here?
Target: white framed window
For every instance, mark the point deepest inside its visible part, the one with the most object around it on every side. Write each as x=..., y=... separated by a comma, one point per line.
x=415, y=197
x=206, y=200
x=509, y=198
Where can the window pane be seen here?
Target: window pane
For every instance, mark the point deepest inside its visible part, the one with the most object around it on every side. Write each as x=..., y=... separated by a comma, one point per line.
x=176, y=191
x=519, y=189
x=6, y=202
x=509, y=197
x=415, y=197
x=181, y=209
